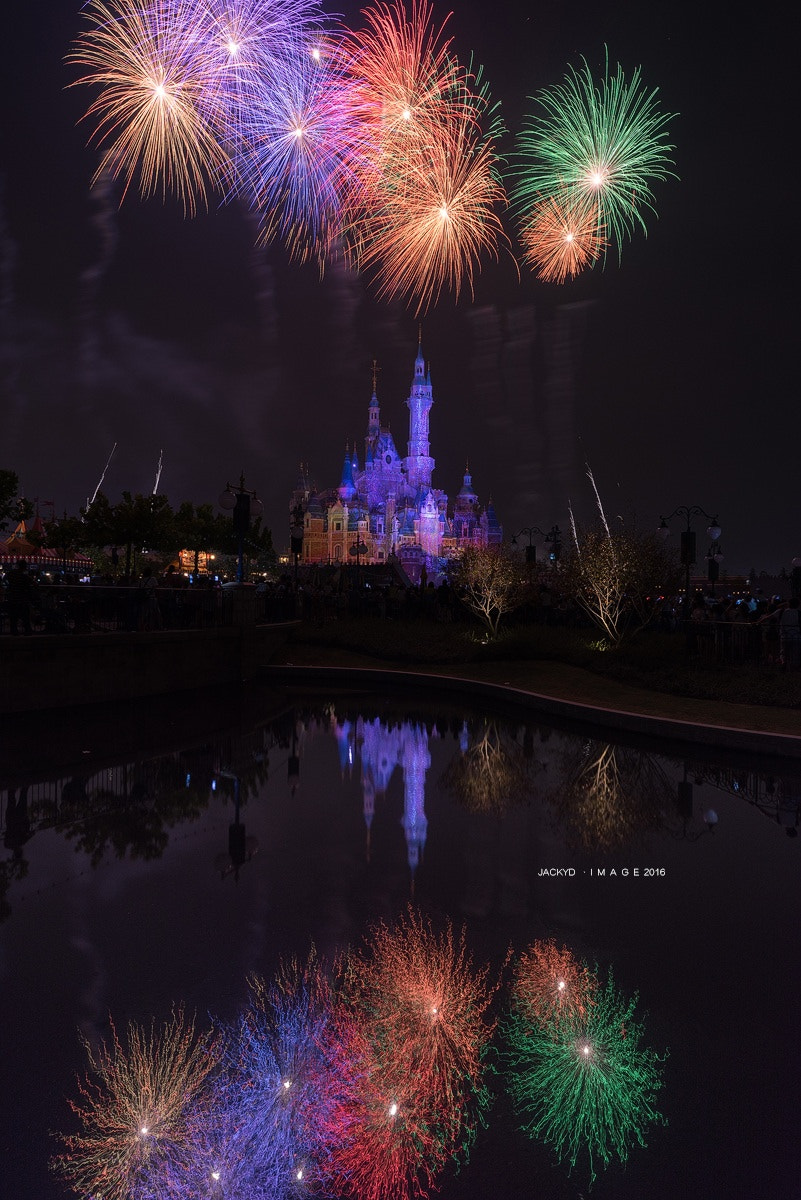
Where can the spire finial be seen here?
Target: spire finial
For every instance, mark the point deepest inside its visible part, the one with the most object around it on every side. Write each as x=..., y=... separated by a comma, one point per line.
x=375, y=375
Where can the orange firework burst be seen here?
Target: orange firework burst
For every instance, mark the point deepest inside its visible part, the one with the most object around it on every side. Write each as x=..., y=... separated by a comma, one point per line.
x=134, y=1107
x=151, y=71
x=551, y=986
x=562, y=237
x=434, y=218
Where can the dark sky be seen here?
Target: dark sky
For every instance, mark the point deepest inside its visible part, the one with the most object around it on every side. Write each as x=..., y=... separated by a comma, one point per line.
x=668, y=373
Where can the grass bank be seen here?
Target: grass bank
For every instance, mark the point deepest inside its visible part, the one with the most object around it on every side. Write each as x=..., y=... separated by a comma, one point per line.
x=656, y=661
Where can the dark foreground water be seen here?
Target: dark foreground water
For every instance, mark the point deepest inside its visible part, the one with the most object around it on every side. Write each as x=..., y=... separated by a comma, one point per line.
x=121, y=896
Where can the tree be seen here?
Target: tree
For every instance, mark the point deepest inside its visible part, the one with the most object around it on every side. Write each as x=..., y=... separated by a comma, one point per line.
x=492, y=583
x=619, y=577
x=137, y=522
x=13, y=507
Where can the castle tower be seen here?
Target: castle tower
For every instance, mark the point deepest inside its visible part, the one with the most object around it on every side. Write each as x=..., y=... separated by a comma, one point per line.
x=373, y=414
x=419, y=464
x=347, y=488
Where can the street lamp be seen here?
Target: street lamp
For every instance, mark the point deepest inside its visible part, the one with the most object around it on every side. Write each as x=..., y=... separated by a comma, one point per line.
x=242, y=504
x=554, y=536
x=296, y=537
x=688, y=538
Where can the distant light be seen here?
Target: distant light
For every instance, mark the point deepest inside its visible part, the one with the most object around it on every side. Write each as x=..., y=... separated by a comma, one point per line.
x=299, y=1174
x=188, y=779
x=393, y=1108
x=144, y=1131
x=444, y=214
x=316, y=54
x=568, y=237
x=214, y=785
x=233, y=48
x=215, y=1174
x=561, y=985
x=287, y=1084
x=406, y=114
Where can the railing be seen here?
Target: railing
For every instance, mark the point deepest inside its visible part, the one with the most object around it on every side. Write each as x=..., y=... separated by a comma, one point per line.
x=735, y=642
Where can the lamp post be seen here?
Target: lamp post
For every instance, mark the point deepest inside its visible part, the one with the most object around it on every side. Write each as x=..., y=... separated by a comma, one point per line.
x=296, y=537
x=243, y=504
x=714, y=557
x=554, y=536
x=688, y=539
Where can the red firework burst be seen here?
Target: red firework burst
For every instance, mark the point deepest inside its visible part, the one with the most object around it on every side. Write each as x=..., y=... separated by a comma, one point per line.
x=550, y=985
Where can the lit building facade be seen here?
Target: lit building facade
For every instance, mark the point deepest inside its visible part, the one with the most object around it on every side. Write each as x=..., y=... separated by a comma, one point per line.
x=387, y=506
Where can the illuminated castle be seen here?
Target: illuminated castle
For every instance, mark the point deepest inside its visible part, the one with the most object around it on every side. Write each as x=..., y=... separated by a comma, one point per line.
x=389, y=507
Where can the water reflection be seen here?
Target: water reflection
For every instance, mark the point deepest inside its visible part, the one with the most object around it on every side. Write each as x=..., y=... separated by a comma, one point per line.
x=600, y=796
x=134, y=880
x=608, y=796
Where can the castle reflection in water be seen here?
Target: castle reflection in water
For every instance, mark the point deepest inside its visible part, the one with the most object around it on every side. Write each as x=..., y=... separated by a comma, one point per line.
x=601, y=796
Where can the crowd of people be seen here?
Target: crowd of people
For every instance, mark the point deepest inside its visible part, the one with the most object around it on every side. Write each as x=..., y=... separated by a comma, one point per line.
x=750, y=626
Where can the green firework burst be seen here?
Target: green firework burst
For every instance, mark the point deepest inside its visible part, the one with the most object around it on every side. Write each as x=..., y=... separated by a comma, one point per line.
x=602, y=143
x=585, y=1086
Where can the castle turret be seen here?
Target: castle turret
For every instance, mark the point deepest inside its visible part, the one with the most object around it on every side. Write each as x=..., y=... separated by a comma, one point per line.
x=347, y=488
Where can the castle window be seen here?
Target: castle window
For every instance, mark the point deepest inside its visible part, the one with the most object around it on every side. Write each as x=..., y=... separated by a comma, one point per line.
x=338, y=526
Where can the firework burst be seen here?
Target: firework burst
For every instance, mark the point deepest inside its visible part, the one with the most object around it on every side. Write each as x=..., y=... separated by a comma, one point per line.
x=551, y=986
x=562, y=237
x=299, y=140
x=424, y=1005
x=435, y=217
x=586, y=1086
x=149, y=63
x=137, y=1108
x=598, y=146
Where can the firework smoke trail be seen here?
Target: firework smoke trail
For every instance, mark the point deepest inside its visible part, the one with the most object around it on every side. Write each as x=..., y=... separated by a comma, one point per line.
x=136, y=1107
x=551, y=986
x=601, y=142
x=584, y=1084
x=148, y=62
x=105, y=226
x=102, y=477
x=158, y=472
x=562, y=237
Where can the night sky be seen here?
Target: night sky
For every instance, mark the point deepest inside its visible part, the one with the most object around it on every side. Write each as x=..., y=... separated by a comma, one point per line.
x=669, y=373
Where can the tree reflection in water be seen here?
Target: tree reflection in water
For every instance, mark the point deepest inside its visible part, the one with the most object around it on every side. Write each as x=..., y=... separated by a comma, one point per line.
x=493, y=772
x=609, y=796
